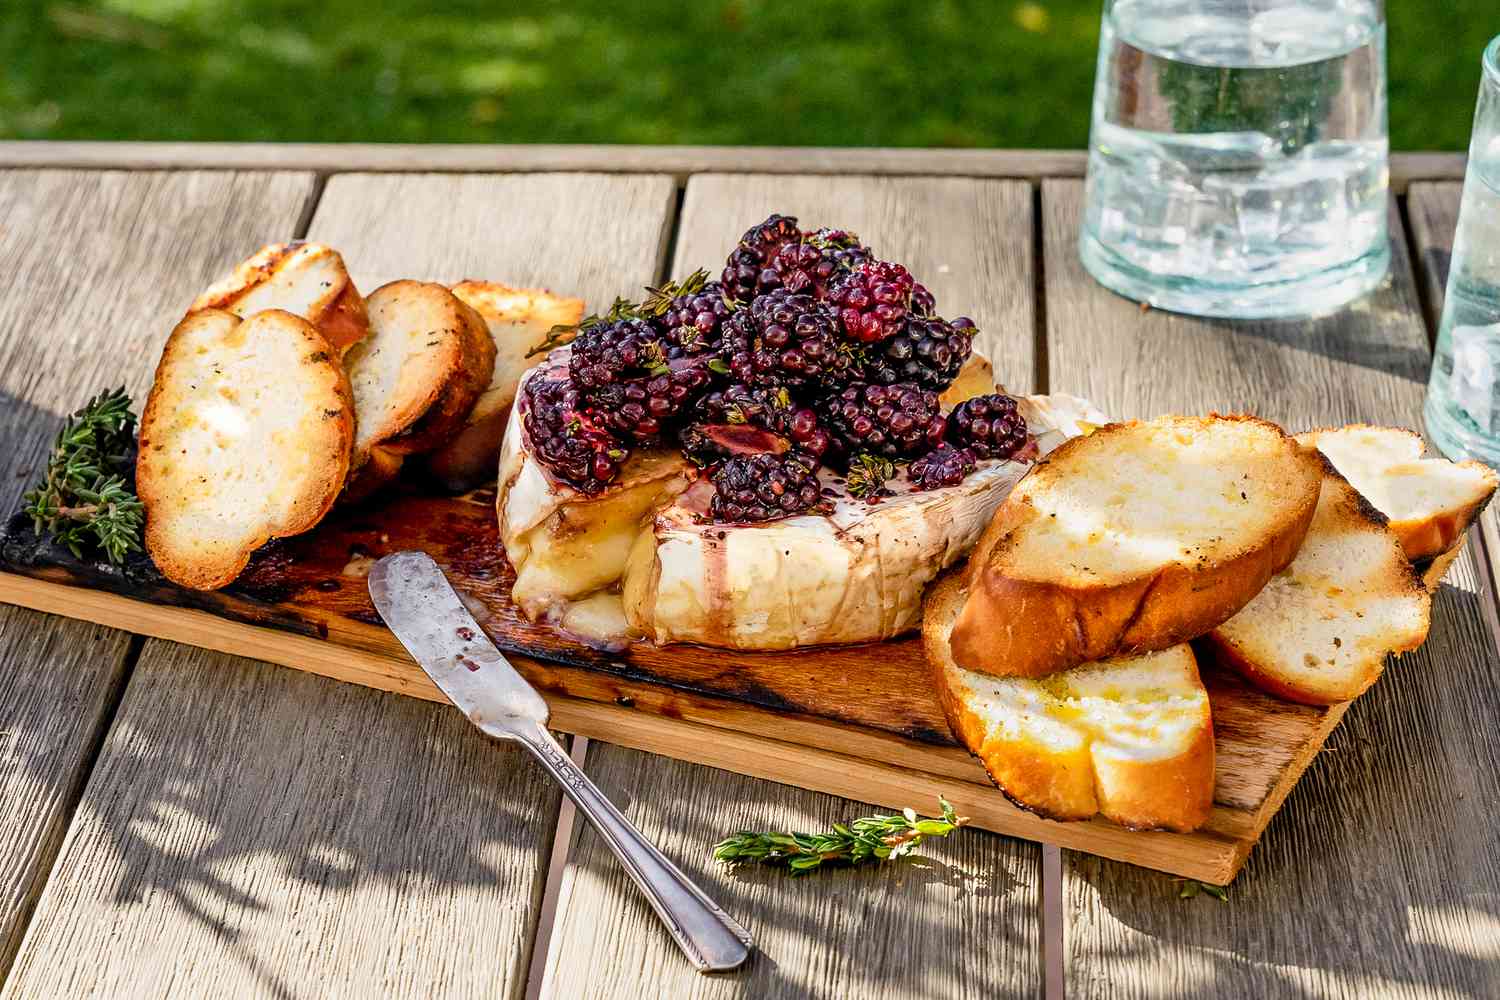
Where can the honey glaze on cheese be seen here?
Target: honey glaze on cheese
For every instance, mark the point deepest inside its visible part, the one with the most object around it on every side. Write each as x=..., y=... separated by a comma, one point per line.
x=643, y=561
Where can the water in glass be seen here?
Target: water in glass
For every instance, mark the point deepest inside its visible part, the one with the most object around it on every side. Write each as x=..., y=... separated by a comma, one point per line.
x=1238, y=155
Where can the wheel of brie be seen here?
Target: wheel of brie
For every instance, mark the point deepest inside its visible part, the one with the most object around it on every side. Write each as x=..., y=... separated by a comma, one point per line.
x=782, y=459
x=642, y=560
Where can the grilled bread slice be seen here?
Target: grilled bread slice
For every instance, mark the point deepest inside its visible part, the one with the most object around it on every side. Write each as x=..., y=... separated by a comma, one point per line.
x=246, y=437
x=308, y=279
x=1320, y=631
x=1430, y=501
x=1129, y=738
x=417, y=375
x=517, y=320
x=1136, y=537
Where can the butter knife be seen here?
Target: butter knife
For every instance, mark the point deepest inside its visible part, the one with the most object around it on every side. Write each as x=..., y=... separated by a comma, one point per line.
x=424, y=611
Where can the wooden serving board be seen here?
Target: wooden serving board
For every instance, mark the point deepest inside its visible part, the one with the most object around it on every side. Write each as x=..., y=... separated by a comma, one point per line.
x=856, y=721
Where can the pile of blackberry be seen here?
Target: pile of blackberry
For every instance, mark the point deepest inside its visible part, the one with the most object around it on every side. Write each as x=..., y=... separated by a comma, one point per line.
x=807, y=352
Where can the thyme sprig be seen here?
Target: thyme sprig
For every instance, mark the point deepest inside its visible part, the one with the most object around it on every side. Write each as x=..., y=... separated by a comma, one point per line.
x=868, y=839
x=84, y=499
x=655, y=305
x=868, y=474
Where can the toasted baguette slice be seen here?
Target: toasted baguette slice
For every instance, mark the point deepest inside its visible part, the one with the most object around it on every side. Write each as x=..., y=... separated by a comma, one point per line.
x=1129, y=738
x=1430, y=502
x=307, y=279
x=517, y=319
x=1136, y=537
x=246, y=437
x=1320, y=630
x=418, y=373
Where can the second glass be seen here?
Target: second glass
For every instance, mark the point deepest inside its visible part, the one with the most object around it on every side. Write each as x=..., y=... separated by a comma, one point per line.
x=1238, y=155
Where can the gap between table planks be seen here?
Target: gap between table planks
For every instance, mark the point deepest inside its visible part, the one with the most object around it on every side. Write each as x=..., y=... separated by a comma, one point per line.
x=1379, y=876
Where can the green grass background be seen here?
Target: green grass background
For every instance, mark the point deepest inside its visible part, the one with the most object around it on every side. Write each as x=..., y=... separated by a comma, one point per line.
x=806, y=72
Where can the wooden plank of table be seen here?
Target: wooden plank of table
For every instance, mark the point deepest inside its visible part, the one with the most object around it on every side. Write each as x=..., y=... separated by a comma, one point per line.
x=969, y=241
x=591, y=236
x=1433, y=211
x=97, y=267
x=680, y=161
x=958, y=921
x=257, y=831
x=58, y=682
x=1375, y=876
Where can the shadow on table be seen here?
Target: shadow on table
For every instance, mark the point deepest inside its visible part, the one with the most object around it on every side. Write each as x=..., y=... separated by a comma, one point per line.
x=959, y=919
x=1380, y=874
x=262, y=803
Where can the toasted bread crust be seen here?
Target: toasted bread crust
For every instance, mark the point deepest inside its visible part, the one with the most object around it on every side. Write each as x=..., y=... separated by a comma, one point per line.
x=1421, y=537
x=202, y=528
x=1026, y=626
x=1073, y=783
x=516, y=320
x=445, y=419
x=333, y=306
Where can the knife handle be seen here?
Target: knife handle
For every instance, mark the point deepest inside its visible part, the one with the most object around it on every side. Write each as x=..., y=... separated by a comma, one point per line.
x=707, y=935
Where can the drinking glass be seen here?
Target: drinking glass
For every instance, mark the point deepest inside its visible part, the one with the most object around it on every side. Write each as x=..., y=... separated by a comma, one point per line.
x=1238, y=155
x=1463, y=393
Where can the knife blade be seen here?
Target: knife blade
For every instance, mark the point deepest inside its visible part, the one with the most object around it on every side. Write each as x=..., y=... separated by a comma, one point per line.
x=423, y=610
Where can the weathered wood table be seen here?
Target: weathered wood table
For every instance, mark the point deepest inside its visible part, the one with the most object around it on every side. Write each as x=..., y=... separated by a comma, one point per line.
x=177, y=822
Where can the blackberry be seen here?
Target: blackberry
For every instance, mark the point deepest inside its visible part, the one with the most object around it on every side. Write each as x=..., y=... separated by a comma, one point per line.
x=765, y=488
x=614, y=351
x=786, y=339
x=753, y=255
x=641, y=408
x=743, y=418
x=989, y=426
x=873, y=300
x=897, y=421
x=943, y=466
x=693, y=320
x=927, y=351
x=569, y=439
x=813, y=265
x=623, y=369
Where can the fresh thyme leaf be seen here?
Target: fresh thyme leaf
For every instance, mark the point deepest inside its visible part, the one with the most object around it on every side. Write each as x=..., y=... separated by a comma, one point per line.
x=867, y=475
x=565, y=333
x=659, y=299
x=83, y=500
x=868, y=839
x=559, y=335
x=1192, y=887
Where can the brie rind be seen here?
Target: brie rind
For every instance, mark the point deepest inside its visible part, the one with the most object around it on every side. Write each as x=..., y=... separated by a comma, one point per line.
x=855, y=574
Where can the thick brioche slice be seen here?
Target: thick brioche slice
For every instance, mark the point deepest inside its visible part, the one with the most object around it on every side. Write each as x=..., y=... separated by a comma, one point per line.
x=517, y=319
x=1320, y=630
x=1129, y=738
x=417, y=375
x=307, y=279
x=1430, y=502
x=245, y=437
x=1136, y=537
